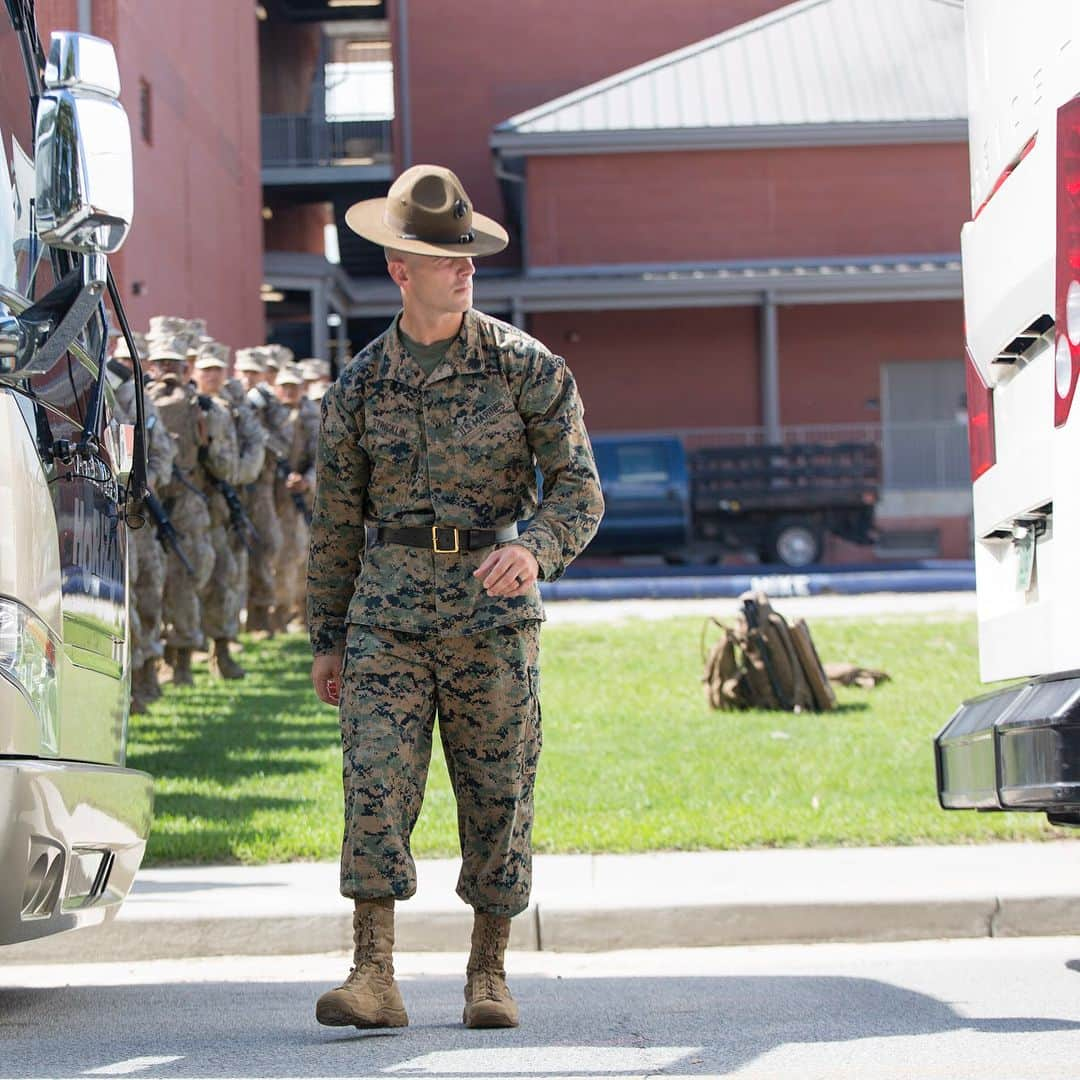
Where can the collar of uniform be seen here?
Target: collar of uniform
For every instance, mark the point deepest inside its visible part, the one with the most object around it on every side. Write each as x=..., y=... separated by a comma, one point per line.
x=463, y=356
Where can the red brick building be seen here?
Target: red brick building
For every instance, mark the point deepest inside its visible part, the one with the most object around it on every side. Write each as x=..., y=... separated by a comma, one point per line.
x=189, y=83
x=739, y=221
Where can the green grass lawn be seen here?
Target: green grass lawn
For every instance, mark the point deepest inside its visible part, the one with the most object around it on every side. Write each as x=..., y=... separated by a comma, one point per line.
x=634, y=760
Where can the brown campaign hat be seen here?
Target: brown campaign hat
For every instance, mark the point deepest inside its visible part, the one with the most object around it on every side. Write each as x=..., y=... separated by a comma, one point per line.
x=427, y=212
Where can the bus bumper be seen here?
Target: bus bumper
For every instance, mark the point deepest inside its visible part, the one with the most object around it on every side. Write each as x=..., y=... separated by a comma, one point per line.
x=72, y=836
x=1015, y=749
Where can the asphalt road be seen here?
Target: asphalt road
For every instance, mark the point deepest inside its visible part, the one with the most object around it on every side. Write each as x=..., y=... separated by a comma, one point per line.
x=989, y=1009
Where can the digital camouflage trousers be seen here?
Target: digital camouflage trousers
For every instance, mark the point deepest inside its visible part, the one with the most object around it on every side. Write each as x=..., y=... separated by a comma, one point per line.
x=181, y=612
x=484, y=688
x=147, y=584
x=223, y=596
x=260, y=508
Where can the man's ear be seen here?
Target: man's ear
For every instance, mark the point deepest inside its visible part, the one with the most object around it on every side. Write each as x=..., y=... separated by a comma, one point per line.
x=398, y=271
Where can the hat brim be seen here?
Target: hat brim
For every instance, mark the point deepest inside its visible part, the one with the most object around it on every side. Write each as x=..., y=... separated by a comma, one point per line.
x=167, y=354
x=367, y=219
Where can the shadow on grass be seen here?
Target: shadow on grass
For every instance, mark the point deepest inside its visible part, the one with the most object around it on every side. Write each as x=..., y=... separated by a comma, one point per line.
x=216, y=740
x=221, y=807
x=852, y=707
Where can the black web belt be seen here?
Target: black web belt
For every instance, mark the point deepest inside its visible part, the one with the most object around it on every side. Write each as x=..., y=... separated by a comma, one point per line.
x=445, y=539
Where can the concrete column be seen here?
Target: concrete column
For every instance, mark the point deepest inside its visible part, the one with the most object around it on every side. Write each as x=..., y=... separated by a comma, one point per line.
x=320, y=308
x=404, y=103
x=770, y=370
x=86, y=17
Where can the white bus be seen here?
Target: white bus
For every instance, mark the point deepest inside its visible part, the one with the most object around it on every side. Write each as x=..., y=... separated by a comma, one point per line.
x=1019, y=748
x=73, y=819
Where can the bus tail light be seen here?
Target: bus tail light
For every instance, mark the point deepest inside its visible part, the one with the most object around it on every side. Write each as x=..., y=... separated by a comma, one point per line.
x=980, y=403
x=1067, y=283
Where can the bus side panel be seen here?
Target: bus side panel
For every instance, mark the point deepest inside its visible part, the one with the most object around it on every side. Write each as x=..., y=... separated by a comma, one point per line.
x=1021, y=68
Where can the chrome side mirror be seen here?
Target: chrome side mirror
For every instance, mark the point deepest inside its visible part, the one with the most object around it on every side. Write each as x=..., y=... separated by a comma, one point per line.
x=82, y=149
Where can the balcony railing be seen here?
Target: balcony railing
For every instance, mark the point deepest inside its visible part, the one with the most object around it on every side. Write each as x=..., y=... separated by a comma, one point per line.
x=296, y=141
x=915, y=456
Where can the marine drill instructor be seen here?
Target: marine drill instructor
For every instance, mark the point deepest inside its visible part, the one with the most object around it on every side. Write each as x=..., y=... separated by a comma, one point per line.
x=426, y=451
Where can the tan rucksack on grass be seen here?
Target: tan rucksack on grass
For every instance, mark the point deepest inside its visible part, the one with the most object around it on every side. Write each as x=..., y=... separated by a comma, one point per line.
x=764, y=663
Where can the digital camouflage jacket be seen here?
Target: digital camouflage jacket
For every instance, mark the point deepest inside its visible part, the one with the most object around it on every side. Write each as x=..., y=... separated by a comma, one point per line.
x=456, y=448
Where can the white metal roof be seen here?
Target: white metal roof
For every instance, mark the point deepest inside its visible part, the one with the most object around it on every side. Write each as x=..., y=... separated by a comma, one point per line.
x=814, y=64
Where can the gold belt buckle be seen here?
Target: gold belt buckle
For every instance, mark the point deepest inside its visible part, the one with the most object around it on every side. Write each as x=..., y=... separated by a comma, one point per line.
x=435, y=530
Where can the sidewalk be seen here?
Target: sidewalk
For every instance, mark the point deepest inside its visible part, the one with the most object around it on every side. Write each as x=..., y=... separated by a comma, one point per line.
x=589, y=903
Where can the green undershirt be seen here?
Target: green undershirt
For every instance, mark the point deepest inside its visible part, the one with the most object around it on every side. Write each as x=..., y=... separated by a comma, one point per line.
x=427, y=357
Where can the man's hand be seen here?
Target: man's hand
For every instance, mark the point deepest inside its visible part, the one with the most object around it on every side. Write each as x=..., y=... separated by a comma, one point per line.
x=326, y=677
x=508, y=571
x=296, y=482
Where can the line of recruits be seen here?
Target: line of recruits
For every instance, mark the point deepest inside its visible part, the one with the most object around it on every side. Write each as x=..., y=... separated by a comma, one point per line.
x=231, y=467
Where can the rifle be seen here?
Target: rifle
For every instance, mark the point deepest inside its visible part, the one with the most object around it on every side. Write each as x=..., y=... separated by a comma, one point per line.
x=166, y=531
x=241, y=523
x=298, y=499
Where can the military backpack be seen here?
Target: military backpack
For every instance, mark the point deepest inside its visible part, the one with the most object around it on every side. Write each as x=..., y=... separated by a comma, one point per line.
x=763, y=662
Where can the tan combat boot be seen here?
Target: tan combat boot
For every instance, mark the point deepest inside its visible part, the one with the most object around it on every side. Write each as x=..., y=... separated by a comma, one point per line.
x=150, y=688
x=369, y=997
x=278, y=621
x=258, y=623
x=182, y=675
x=488, y=1002
x=167, y=672
x=222, y=665
x=138, y=690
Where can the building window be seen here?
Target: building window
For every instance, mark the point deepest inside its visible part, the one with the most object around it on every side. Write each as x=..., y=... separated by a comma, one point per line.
x=146, y=115
x=359, y=81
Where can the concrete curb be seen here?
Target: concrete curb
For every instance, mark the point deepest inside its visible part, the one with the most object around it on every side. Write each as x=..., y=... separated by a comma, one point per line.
x=557, y=928
x=811, y=582
x=570, y=930
x=592, y=903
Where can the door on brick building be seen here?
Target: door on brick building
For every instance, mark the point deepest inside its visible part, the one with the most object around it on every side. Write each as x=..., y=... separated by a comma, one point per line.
x=926, y=487
x=924, y=427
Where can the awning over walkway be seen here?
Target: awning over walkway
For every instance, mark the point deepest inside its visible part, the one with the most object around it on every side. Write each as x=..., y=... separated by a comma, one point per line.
x=590, y=288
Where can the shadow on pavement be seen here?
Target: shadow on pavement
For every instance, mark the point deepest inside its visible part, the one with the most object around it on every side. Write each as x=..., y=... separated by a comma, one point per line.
x=610, y=1026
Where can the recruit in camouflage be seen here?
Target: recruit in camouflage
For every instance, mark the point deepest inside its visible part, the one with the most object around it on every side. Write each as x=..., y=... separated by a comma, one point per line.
x=251, y=445
x=293, y=503
x=146, y=570
x=259, y=497
x=398, y=448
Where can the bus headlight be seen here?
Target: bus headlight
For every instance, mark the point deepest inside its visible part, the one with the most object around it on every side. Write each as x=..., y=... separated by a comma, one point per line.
x=28, y=660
